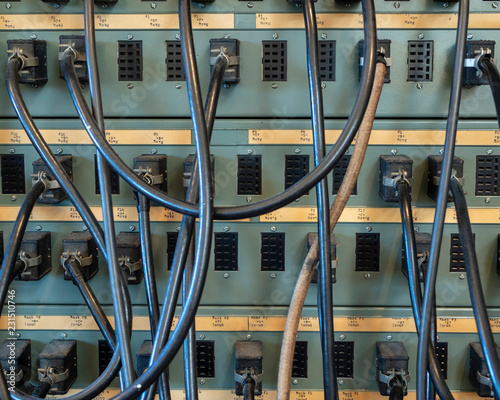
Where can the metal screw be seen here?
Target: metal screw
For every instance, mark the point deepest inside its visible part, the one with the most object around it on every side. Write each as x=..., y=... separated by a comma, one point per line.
x=56, y=6
x=12, y=150
x=275, y=36
x=104, y=5
x=249, y=199
x=342, y=337
x=441, y=151
x=250, y=151
x=494, y=4
x=178, y=36
x=273, y=275
x=202, y=5
x=438, y=338
x=82, y=85
x=297, y=151
x=153, y=151
x=250, y=5
x=295, y=381
x=489, y=152
x=341, y=382
x=389, y=337
x=130, y=85
x=226, y=36
x=367, y=276
x=397, y=4
x=487, y=200
x=18, y=335
x=446, y=5
x=59, y=150
x=421, y=35
x=249, y=337
x=202, y=337
x=296, y=337
x=226, y=275
x=419, y=86
x=347, y=5
x=64, y=335
x=470, y=36
x=38, y=227
x=274, y=86
x=202, y=381
x=394, y=151
x=131, y=228
x=323, y=86
x=273, y=229
x=178, y=86
x=178, y=229
x=461, y=277
x=226, y=229
x=8, y=6
x=368, y=229
x=85, y=228
x=130, y=36
x=13, y=198
x=324, y=36
x=227, y=85
x=33, y=36
x=153, y=5
x=416, y=228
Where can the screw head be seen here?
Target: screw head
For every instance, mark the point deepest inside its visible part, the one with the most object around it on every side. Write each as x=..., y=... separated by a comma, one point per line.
x=178, y=229
x=202, y=381
x=250, y=4
x=275, y=36
x=297, y=151
x=368, y=229
x=421, y=35
x=178, y=86
x=446, y=5
x=153, y=151
x=131, y=228
x=273, y=229
x=295, y=382
x=12, y=150
x=202, y=337
x=249, y=337
x=130, y=85
x=227, y=85
x=18, y=335
x=56, y=6
x=487, y=200
x=416, y=228
x=419, y=86
x=104, y=5
x=367, y=276
x=178, y=36
x=38, y=227
x=470, y=36
x=274, y=86
x=489, y=152
x=250, y=151
x=8, y=6
x=64, y=335
x=323, y=86
x=324, y=36
x=226, y=36
x=226, y=275
x=441, y=151
x=85, y=228
x=389, y=337
x=249, y=199
x=437, y=338
x=494, y=4
x=274, y=275
x=461, y=277
x=226, y=229
x=13, y=198
x=394, y=151
x=59, y=151
x=130, y=36
x=342, y=337
x=154, y=5
x=397, y=4
x=33, y=36
x=341, y=382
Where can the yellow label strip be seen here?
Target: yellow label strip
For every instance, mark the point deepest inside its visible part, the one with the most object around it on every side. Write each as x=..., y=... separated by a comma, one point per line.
x=218, y=323
x=114, y=136
x=384, y=21
x=378, y=137
x=40, y=21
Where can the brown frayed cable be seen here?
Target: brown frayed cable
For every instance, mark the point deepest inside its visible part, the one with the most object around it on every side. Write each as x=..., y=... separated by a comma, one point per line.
x=307, y=270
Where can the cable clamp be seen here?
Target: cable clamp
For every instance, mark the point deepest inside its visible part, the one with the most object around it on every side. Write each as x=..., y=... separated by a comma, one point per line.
x=436, y=180
x=394, y=377
x=52, y=375
x=124, y=261
x=249, y=373
x=147, y=175
x=396, y=178
x=63, y=47
x=422, y=257
x=29, y=262
x=41, y=176
x=17, y=377
x=474, y=62
x=486, y=381
x=83, y=261
x=231, y=60
x=26, y=61
x=388, y=61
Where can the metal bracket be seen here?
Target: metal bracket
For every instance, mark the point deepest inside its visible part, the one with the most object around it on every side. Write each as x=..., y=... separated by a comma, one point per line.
x=26, y=62
x=392, y=377
x=65, y=46
x=437, y=179
x=474, y=62
x=29, y=262
x=17, y=377
x=83, y=261
x=397, y=176
x=485, y=380
x=42, y=176
x=388, y=61
x=132, y=267
x=146, y=175
x=242, y=378
x=51, y=373
x=231, y=60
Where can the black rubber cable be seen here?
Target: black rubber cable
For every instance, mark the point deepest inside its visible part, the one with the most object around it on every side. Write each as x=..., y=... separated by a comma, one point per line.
x=325, y=300
x=297, y=190
x=475, y=288
x=42, y=389
x=143, y=208
x=397, y=393
x=491, y=71
x=187, y=226
x=442, y=200
x=249, y=389
x=117, y=283
x=414, y=284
